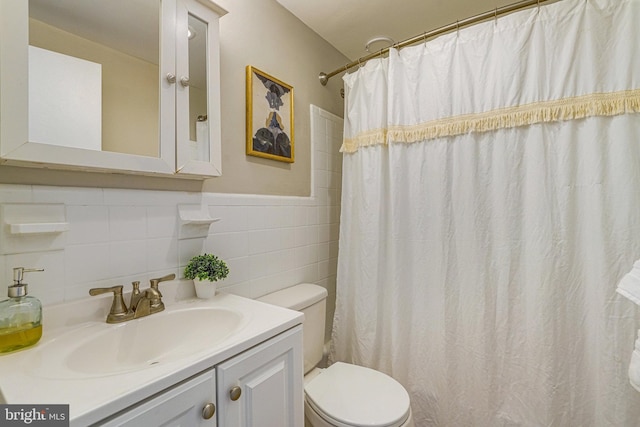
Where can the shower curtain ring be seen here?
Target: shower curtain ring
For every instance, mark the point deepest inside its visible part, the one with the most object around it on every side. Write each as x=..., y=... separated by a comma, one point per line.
x=359, y=64
x=457, y=27
x=496, y=15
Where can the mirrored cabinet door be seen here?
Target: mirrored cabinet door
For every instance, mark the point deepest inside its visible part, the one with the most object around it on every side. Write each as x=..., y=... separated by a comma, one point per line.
x=87, y=84
x=197, y=94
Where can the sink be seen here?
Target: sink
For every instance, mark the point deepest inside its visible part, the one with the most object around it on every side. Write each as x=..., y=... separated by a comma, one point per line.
x=98, y=349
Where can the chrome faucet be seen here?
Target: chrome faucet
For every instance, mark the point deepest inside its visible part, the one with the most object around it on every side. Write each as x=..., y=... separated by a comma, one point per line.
x=141, y=304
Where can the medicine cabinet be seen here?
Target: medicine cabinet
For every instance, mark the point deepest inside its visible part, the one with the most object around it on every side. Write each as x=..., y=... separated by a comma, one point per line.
x=125, y=86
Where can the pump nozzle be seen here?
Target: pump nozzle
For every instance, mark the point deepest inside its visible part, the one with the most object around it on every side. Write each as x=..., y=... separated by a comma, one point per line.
x=18, y=273
x=19, y=289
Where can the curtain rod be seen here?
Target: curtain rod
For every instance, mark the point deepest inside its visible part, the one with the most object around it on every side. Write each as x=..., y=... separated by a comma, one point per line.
x=498, y=11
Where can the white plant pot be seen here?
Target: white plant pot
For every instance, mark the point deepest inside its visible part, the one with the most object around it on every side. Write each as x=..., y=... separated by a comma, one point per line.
x=205, y=289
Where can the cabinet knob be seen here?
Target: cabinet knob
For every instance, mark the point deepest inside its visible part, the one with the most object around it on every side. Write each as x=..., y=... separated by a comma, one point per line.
x=184, y=81
x=208, y=411
x=235, y=393
x=171, y=78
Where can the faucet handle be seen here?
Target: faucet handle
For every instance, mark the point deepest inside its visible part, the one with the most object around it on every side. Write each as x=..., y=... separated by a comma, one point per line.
x=155, y=282
x=154, y=295
x=118, y=312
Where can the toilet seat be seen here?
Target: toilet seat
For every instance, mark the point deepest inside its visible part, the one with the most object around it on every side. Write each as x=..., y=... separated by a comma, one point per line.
x=348, y=395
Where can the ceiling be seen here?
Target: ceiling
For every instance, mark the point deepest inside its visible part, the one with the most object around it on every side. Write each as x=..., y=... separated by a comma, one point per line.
x=349, y=24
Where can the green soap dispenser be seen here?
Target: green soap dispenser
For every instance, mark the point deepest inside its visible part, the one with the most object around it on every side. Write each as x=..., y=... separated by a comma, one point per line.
x=20, y=315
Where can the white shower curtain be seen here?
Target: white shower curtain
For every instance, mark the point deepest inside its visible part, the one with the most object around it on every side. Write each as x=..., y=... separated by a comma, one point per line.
x=490, y=204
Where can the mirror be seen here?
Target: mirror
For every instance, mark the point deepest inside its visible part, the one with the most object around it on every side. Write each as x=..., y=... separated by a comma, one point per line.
x=198, y=108
x=93, y=75
x=110, y=85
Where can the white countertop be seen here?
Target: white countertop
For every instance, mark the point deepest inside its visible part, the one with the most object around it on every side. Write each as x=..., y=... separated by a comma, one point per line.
x=94, y=398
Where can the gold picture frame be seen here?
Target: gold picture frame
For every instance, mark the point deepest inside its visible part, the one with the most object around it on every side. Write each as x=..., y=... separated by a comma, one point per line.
x=270, y=126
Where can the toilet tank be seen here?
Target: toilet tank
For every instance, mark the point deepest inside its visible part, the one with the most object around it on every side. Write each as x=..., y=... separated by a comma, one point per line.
x=311, y=300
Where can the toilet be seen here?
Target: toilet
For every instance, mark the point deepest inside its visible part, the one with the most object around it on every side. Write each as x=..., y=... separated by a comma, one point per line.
x=342, y=395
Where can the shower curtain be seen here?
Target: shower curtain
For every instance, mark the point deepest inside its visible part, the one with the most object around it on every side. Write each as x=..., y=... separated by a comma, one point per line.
x=490, y=204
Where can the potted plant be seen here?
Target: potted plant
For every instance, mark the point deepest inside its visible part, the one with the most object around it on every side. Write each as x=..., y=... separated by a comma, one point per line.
x=205, y=270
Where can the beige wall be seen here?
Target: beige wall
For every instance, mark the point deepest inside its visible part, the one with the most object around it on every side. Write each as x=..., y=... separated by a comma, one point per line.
x=263, y=34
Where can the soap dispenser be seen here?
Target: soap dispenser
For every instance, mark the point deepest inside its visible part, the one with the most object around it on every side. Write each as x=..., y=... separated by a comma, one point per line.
x=20, y=315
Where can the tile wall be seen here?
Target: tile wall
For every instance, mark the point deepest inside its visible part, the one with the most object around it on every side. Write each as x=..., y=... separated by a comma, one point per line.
x=116, y=236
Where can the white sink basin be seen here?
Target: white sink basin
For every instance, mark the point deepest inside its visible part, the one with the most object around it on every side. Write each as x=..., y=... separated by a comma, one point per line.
x=99, y=349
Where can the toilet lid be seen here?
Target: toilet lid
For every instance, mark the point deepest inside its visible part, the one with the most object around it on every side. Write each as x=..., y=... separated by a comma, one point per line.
x=352, y=395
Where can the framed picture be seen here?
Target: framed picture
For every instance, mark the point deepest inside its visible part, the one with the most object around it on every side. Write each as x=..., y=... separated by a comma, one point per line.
x=269, y=117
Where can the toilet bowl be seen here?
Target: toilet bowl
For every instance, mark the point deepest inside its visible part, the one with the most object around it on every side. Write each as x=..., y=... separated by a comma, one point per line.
x=343, y=394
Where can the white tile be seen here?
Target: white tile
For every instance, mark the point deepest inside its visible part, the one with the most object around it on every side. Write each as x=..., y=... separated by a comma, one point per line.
x=300, y=216
x=127, y=223
x=305, y=236
x=327, y=268
x=257, y=218
x=162, y=221
x=321, y=160
x=312, y=215
x=322, y=196
x=333, y=198
x=87, y=224
x=281, y=261
x=81, y=290
x=245, y=289
x=228, y=245
x=232, y=218
x=324, y=214
x=162, y=254
x=324, y=251
x=128, y=257
x=322, y=178
x=262, y=241
x=87, y=263
x=335, y=180
x=324, y=233
x=334, y=129
x=306, y=255
x=271, y=263
x=273, y=217
x=283, y=216
x=258, y=265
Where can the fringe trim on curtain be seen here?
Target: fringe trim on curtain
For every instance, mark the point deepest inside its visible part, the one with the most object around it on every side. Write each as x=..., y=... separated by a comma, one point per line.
x=579, y=107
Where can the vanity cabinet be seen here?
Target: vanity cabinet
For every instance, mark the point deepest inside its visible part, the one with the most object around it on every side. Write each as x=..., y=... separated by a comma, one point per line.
x=260, y=387
x=191, y=403
x=157, y=95
x=263, y=387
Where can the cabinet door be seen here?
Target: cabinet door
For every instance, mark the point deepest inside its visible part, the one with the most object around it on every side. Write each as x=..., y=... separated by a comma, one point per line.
x=184, y=405
x=263, y=387
x=197, y=93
